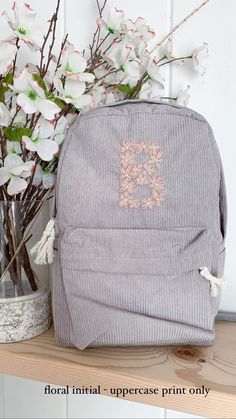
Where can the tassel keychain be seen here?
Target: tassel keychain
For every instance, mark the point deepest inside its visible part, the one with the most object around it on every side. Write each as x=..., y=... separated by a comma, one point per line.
x=43, y=250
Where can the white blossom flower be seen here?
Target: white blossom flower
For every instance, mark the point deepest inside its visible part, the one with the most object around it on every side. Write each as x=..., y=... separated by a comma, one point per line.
x=139, y=29
x=151, y=90
x=154, y=73
x=139, y=34
x=114, y=22
x=111, y=97
x=43, y=178
x=100, y=72
x=23, y=25
x=7, y=53
x=4, y=115
x=120, y=54
x=60, y=130
x=19, y=117
x=73, y=64
x=183, y=97
x=199, y=54
x=167, y=50
x=98, y=95
x=15, y=170
x=70, y=117
x=72, y=91
x=32, y=97
x=14, y=147
x=141, y=51
x=40, y=141
x=122, y=57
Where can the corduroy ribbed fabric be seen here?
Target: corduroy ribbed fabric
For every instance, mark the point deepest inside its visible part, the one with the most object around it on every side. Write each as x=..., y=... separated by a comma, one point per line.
x=131, y=276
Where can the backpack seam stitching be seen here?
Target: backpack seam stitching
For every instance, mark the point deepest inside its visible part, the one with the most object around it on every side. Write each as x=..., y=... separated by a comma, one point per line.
x=87, y=118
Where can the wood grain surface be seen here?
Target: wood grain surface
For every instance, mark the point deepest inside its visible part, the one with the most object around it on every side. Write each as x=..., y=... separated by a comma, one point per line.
x=173, y=368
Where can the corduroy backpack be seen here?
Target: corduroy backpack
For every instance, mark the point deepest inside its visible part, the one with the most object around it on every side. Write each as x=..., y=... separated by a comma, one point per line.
x=140, y=226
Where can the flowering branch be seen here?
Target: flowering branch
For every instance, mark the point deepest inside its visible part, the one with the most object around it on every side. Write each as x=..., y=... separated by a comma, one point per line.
x=38, y=103
x=176, y=59
x=166, y=37
x=96, y=35
x=54, y=20
x=51, y=29
x=60, y=53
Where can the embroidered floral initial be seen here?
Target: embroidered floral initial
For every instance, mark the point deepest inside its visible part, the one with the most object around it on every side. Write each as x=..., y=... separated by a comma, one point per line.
x=135, y=172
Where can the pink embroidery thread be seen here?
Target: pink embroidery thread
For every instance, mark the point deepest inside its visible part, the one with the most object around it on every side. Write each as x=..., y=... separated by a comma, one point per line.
x=133, y=173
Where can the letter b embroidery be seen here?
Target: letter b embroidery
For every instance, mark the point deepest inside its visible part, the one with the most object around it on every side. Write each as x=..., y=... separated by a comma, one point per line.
x=134, y=173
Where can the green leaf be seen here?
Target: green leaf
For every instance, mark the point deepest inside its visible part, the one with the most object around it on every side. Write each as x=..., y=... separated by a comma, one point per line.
x=124, y=88
x=39, y=80
x=3, y=90
x=47, y=169
x=16, y=133
x=49, y=95
x=59, y=102
x=136, y=89
x=55, y=99
x=8, y=78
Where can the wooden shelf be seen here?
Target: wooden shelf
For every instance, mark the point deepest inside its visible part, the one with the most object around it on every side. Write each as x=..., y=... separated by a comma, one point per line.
x=163, y=367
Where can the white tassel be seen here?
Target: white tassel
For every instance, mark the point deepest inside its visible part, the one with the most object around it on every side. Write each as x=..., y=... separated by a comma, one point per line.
x=44, y=248
x=214, y=281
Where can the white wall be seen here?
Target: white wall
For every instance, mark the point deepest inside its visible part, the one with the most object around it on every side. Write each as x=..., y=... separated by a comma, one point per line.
x=214, y=96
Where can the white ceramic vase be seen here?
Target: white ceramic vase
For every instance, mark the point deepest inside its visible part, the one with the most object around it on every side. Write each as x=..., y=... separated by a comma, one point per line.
x=25, y=303
x=25, y=317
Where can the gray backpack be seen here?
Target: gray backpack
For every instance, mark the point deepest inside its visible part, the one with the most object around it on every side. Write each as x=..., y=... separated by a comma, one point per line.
x=141, y=224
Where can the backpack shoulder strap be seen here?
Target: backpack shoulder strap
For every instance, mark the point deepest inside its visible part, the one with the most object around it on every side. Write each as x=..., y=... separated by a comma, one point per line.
x=223, y=204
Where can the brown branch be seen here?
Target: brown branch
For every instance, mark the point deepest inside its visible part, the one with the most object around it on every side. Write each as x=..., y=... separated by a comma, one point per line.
x=24, y=240
x=3, y=145
x=102, y=41
x=105, y=75
x=60, y=54
x=34, y=121
x=103, y=7
x=15, y=58
x=180, y=24
x=10, y=242
x=51, y=28
x=145, y=74
x=100, y=11
x=175, y=59
x=27, y=267
x=50, y=55
x=18, y=108
x=14, y=66
x=96, y=35
x=40, y=68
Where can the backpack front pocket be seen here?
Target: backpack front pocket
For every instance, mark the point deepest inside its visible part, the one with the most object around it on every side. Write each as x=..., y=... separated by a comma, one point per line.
x=152, y=273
